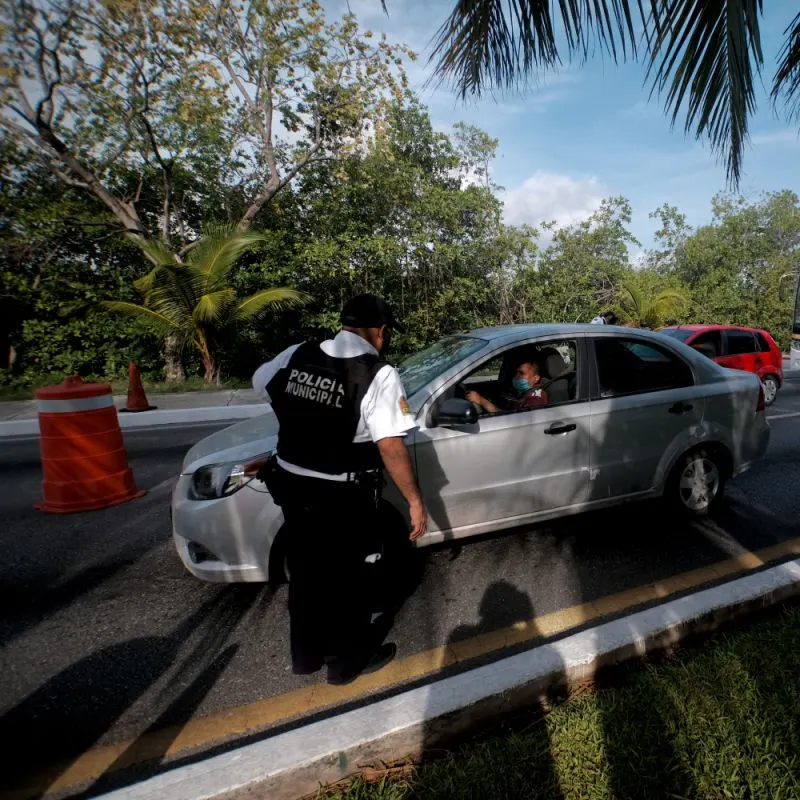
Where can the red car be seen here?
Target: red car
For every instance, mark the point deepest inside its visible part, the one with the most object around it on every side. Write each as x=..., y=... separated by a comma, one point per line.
x=738, y=348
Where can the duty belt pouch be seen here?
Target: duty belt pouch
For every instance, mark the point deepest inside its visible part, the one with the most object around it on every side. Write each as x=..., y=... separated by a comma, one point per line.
x=371, y=483
x=271, y=475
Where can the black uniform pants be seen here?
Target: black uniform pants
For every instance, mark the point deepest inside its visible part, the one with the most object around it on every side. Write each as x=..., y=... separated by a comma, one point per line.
x=331, y=529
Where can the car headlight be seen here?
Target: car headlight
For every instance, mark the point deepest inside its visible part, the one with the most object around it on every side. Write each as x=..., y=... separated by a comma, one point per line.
x=222, y=480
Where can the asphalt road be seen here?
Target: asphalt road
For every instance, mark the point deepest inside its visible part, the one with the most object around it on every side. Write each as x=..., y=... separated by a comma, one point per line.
x=105, y=636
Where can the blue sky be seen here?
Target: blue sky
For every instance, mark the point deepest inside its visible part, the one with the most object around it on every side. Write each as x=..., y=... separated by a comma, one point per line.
x=589, y=132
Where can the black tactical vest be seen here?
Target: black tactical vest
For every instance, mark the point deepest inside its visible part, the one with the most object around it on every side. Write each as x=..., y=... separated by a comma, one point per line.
x=317, y=399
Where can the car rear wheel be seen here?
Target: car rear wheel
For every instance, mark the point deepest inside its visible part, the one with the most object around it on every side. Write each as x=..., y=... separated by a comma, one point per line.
x=771, y=385
x=697, y=483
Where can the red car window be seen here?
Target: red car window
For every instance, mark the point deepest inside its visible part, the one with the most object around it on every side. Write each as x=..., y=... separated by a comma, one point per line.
x=740, y=343
x=763, y=344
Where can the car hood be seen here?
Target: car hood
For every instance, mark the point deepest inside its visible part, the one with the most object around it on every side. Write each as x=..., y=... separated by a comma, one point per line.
x=246, y=439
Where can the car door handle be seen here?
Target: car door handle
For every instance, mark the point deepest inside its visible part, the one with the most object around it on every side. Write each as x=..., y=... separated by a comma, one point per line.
x=680, y=408
x=560, y=427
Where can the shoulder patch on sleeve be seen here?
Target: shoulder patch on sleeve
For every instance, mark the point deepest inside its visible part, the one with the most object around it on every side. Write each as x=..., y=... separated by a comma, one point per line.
x=404, y=406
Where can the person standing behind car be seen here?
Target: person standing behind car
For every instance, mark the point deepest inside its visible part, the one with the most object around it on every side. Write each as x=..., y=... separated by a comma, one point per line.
x=606, y=318
x=342, y=417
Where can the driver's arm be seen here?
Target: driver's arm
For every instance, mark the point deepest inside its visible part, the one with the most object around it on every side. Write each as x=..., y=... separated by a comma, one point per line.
x=487, y=405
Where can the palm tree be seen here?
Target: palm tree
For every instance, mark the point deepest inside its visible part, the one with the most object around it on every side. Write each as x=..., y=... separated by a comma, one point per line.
x=192, y=301
x=644, y=310
x=701, y=55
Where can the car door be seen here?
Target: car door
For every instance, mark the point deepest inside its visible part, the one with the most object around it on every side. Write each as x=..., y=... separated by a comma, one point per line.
x=508, y=467
x=739, y=350
x=644, y=401
x=764, y=360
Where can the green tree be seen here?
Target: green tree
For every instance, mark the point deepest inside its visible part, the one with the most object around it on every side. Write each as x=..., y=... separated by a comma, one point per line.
x=733, y=267
x=578, y=273
x=126, y=102
x=193, y=301
x=703, y=56
x=255, y=90
x=644, y=309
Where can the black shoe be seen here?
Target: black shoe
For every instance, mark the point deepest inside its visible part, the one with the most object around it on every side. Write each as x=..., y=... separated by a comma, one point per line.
x=307, y=667
x=340, y=674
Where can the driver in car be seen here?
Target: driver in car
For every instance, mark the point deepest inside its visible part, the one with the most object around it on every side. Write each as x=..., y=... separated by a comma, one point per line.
x=527, y=392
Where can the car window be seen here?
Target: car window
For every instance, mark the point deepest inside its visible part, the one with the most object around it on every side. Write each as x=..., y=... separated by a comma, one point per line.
x=708, y=343
x=556, y=363
x=488, y=371
x=428, y=364
x=628, y=367
x=681, y=334
x=763, y=344
x=740, y=342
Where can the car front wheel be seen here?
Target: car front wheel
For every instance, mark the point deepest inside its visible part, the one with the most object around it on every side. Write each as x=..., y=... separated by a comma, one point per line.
x=771, y=385
x=697, y=483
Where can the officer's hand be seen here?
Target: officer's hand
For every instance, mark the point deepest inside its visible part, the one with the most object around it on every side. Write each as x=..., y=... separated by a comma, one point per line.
x=419, y=520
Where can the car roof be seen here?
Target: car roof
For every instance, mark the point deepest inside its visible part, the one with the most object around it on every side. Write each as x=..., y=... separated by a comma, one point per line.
x=546, y=329
x=711, y=328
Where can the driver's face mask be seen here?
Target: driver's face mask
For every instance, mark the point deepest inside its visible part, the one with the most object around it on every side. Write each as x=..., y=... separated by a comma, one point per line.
x=521, y=385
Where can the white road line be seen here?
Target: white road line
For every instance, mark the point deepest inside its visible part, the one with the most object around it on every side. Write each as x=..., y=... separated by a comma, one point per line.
x=783, y=416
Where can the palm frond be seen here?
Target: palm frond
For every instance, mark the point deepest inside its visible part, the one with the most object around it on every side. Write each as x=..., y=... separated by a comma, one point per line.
x=217, y=252
x=154, y=250
x=702, y=55
x=171, y=289
x=269, y=299
x=212, y=307
x=487, y=44
x=787, y=78
x=161, y=323
x=666, y=300
x=637, y=303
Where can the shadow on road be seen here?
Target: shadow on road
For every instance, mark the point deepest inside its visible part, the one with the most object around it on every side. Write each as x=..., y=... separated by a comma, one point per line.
x=69, y=714
x=503, y=606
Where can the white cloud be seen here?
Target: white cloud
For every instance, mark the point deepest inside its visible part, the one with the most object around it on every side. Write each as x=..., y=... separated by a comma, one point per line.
x=785, y=136
x=548, y=196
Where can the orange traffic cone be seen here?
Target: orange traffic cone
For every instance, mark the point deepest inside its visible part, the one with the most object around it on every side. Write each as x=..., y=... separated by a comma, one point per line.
x=84, y=463
x=137, y=399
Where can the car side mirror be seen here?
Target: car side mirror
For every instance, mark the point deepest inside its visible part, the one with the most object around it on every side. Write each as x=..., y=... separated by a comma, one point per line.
x=455, y=411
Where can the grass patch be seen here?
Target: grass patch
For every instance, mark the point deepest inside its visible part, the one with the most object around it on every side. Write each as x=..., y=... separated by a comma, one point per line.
x=718, y=721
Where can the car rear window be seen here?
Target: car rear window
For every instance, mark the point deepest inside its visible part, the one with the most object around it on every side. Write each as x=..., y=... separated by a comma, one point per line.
x=763, y=344
x=740, y=342
x=681, y=334
x=629, y=367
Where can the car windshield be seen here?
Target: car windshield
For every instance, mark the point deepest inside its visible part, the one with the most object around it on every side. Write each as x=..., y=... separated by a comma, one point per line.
x=681, y=334
x=427, y=364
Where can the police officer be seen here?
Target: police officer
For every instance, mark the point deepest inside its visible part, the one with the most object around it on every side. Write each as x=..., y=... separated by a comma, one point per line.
x=343, y=417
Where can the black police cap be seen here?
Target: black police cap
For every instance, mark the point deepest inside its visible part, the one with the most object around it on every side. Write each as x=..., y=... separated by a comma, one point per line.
x=369, y=311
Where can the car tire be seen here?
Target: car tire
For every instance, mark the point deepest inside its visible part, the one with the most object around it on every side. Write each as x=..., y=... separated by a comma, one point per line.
x=696, y=484
x=770, y=384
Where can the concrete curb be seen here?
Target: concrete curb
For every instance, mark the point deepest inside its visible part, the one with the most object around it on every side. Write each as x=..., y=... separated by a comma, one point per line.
x=295, y=763
x=148, y=419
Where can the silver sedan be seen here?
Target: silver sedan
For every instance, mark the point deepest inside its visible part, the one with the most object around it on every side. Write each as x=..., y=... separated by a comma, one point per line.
x=628, y=415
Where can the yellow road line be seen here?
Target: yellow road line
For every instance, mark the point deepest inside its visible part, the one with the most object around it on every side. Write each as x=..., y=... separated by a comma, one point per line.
x=205, y=731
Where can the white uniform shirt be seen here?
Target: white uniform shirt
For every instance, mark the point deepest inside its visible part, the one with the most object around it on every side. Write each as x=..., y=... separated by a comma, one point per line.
x=384, y=411
x=598, y=321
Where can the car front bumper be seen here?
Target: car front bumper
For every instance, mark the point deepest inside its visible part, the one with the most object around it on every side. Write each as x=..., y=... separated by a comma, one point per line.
x=227, y=540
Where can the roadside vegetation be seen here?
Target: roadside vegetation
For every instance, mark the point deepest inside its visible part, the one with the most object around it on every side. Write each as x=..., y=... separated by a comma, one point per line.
x=141, y=143
x=721, y=720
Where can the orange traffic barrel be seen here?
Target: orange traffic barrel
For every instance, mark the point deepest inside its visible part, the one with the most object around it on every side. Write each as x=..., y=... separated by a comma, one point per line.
x=84, y=461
